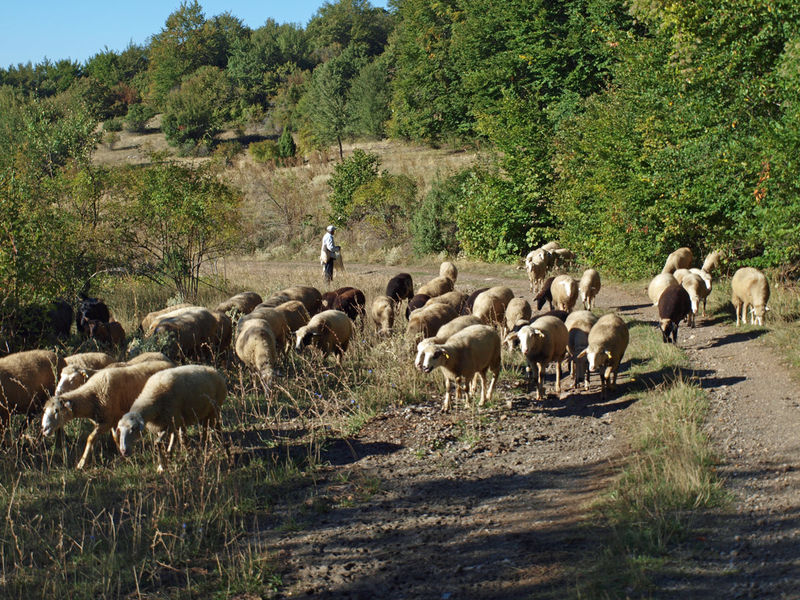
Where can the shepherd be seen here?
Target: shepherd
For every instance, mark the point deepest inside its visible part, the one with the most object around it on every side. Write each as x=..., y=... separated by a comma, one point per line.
x=327, y=255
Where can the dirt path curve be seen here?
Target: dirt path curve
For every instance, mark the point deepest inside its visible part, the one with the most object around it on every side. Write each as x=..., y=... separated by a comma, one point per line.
x=462, y=506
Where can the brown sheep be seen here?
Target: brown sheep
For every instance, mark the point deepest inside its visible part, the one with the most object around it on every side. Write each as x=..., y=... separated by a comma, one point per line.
x=400, y=287
x=674, y=306
x=107, y=334
x=437, y=287
x=170, y=401
x=680, y=259
x=26, y=380
x=417, y=302
x=243, y=302
x=382, y=313
x=426, y=321
x=329, y=331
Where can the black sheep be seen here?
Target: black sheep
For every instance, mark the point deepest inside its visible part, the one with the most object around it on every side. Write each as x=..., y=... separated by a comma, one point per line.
x=400, y=287
x=545, y=295
x=674, y=305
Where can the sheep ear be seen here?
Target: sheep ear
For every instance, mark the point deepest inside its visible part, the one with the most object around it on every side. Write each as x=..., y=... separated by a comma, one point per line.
x=608, y=353
x=539, y=333
x=67, y=404
x=582, y=353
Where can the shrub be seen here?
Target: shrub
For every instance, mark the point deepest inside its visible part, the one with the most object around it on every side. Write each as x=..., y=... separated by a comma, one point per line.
x=199, y=108
x=137, y=117
x=113, y=125
x=433, y=225
x=348, y=176
x=384, y=203
x=264, y=151
x=286, y=146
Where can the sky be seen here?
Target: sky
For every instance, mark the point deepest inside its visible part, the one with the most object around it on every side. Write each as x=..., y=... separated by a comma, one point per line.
x=58, y=29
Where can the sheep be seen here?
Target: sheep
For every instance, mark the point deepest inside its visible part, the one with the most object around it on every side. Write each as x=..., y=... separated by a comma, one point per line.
x=542, y=342
x=449, y=270
x=674, y=305
x=563, y=257
x=328, y=298
x=195, y=330
x=74, y=374
x=108, y=334
x=90, y=309
x=26, y=380
x=104, y=398
x=608, y=340
x=330, y=331
x=750, y=288
x=382, y=313
x=545, y=294
x=400, y=287
x=589, y=286
x=255, y=347
x=658, y=284
x=558, y=314
x=295, y=313
x=712, y=262
x=467, y=310
x=170, y=401
x=471, y=352
x=680, y=259
x=426, y=321
x=518, y=309
x=551, y=246
x=244, y=302
x=579, y=324
x=445, y=332
x=308, y=295
x=277, y=322
x=224, y=333
x=417, y=302
x=708, y=281
x=457, y=300
x=536, y=267
x=490, y=306
x=437, y=286
x=564, y=290
x=679, y=274
x=149, y=318
x=353, y=303
x=698, y=292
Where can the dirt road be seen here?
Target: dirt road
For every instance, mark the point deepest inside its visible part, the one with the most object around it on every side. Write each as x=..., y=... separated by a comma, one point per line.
x=463, y=506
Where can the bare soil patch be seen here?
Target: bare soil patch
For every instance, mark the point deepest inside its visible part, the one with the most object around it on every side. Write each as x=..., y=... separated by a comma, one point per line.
x=422, y=504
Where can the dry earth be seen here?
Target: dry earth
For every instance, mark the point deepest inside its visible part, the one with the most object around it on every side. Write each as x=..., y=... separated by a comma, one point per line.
x=422, y=505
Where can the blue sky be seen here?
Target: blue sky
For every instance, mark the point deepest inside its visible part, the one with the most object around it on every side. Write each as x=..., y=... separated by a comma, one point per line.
x=77, y=30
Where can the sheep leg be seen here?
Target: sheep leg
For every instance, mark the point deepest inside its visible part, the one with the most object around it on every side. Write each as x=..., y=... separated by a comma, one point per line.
x=490, y=391
x=540, y=381
x=446, y=403
x=90, y=444
x=482, y=376
x=558, y=376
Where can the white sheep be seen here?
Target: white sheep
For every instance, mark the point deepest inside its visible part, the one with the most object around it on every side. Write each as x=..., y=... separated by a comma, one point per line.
x=658, y=284
x=444, y=333
x=750, y=289
x=542, y=342
x=698, y=292
x=437, y=286
x=589, y=286
x=191, y=331
x=255, y=347
x=277, y=322
x=449, y=270
x=490, y=306
x=455, y=299
x=295, y=313
x=382, y=312
x=608, y=340
x=536, y=267
x=147, y=322
x=426, y=321
x=518, y=309
x=171, y=401
x=712, y=261
x=78, y=369
x=579, y=324
x=26, y=379
x=471, y=352
x=708, y=280
x=107, y=396
x=330, y=331
x=680, y=259
x=564, y=290
x=244, y=302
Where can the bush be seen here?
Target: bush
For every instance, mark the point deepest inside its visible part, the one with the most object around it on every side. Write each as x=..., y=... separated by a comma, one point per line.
x=348, y=176
x=264, y=151
x=113, y=125
x=286, y=145
x=384, y=203
x=433, y=225
x=199, y=108
x=137, y=117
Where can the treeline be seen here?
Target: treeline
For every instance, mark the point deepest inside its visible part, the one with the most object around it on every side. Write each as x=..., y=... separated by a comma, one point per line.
x=623, y=128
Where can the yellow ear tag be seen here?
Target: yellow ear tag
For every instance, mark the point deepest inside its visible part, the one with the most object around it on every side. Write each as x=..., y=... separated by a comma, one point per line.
x=608, y=353
x=446, y=356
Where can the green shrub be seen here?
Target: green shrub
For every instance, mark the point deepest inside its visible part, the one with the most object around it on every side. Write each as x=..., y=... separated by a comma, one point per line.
x=384, y=203
x=286, y=146
x=199, y=108
x=348, y=176
x=264, y=151
x=137, y=117
x=433, y=225
x=113, y=125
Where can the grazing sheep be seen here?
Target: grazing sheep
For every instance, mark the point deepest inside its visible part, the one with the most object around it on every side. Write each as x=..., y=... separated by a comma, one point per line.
x=545, y=294
x=564, y=290
x=76, y=371
x=382, y=313
x=579, y=324
x=426, y=321
x=542, y=342
x=490, y=306
x=171, y=401
x=471, y=352
x=149, y=318
x=518, y=309
x=26, y=380
x=400, y=287
x=457, y=300
x=750, y=289
x=308, y=295
x=417, y=302
x=708, y=281
x=712, y=262
x=658, y=284
x=437, y=287
x=674, y=305
x=470, y=303
x=330, y=331
x=679, y=274
x=589, y=286
x=91, y=309
x=224, y=333
x=277, y=322
x=563, y=257
x=449, y=270
x=551, y=246
x=680, y=259
x=353, y=303
x=608, y=341
x=536, y=267
x=244, y=302
x=104, y=398
x=295, y=313
x=191, y=331
x=255, y=347
x=107, y=334
x=328, y=298
x=445, y=332
x=698, y=292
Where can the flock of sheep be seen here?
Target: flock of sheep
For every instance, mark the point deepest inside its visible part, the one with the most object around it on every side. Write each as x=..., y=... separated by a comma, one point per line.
x=458, y=333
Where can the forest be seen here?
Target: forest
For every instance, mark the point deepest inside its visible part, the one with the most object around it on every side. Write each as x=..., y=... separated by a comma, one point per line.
x=622, y=128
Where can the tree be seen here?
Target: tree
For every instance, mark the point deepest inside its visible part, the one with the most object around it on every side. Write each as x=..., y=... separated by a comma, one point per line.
x=368, y=102
x=198, y=109
x=338, y=25
x=347, y=177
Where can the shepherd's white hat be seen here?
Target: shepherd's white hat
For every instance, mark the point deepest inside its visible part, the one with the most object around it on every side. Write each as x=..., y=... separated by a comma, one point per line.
x=330, y=228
